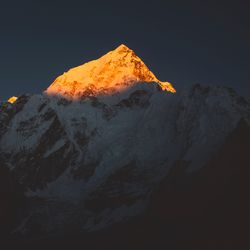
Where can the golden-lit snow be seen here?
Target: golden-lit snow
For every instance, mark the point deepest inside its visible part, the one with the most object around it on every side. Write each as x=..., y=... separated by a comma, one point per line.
x=114, y=71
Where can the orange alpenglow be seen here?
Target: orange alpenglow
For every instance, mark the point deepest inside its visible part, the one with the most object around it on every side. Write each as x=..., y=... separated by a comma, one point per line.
x=115, y=71
x=12, y=99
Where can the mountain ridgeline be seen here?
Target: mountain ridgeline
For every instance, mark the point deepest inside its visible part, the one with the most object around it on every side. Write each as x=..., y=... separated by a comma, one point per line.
x=108, y=143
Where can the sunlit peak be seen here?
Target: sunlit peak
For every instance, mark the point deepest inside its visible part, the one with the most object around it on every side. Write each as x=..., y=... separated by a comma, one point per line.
x=115, y=71
x=122, y=48
x=12, y=99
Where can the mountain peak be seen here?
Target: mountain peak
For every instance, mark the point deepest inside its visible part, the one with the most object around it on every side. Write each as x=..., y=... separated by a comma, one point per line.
x=122, y=48
x=12, y=99
x=114, y=71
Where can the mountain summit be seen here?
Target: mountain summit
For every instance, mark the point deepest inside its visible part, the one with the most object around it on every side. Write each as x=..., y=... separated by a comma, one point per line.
x=114, y=71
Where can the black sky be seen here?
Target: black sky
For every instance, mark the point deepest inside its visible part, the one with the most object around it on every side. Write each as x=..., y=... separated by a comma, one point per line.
x=183, y=42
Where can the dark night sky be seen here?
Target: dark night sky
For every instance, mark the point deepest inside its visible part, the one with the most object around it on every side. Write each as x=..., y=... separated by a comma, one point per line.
x=183, y=42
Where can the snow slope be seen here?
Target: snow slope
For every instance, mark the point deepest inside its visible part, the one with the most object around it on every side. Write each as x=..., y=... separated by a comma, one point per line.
x=94, y=162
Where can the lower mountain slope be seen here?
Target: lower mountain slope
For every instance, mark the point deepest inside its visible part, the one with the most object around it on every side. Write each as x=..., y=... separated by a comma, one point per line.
x=83, y=165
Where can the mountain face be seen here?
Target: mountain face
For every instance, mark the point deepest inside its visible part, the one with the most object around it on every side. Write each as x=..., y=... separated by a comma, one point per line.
x=87, y=157
x=110, y=74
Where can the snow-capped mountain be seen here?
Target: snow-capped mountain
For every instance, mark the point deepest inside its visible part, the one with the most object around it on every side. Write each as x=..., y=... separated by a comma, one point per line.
x=111, y=73
x=88, y=154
